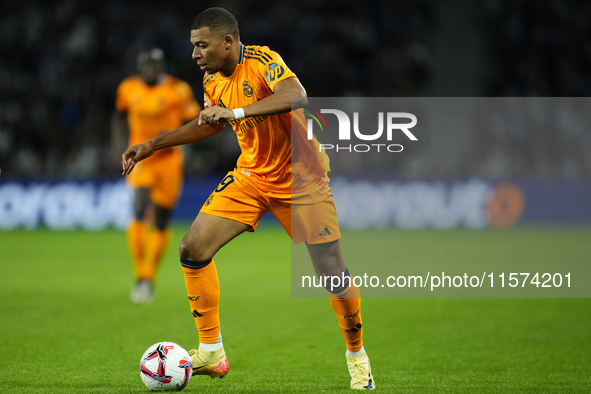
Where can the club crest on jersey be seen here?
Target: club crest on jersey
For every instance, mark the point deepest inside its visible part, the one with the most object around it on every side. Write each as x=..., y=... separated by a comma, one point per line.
x=209, y=200
x=247, y=89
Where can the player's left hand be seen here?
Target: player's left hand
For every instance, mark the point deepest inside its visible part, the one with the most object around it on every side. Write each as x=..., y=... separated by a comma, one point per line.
x=215, y=115
x=135, y=153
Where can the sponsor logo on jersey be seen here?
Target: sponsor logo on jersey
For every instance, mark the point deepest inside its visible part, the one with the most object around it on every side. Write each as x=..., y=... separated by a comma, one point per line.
x=250, y=123
x=193, y=298
x=209, y=200
x=247, y=123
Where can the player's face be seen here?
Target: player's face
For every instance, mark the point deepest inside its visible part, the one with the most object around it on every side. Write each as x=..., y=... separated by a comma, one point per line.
x=210, y=50
x=150, y=69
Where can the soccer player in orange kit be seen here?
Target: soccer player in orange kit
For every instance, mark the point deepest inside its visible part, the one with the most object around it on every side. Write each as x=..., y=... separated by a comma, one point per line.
x=252, y=88
x=153, y=103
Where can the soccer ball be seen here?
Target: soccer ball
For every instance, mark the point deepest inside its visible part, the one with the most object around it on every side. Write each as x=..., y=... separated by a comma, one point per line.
x=166, y=366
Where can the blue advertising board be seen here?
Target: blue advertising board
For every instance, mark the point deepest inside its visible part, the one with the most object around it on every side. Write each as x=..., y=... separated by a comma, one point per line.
x=473, y=203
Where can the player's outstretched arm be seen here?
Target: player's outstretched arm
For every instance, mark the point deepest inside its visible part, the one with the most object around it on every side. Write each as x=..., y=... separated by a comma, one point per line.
x=279, y=102
x=118, y=130
x=191, y=132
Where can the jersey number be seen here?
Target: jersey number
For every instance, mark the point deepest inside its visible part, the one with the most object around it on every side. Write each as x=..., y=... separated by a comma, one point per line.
x=227, y=181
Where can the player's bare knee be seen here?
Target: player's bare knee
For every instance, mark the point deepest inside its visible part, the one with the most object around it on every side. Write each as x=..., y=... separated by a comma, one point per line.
x=139, y=210
x=162, y=217
x=185, y=248
x=192, y=248
x=141, y=199
x=327, y=261
x=331, y=267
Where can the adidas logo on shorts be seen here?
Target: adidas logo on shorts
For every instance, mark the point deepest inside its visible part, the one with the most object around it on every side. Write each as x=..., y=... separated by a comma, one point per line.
x=325, y=232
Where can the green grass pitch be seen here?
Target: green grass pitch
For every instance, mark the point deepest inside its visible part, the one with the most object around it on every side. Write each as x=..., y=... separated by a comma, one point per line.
x=67, y=325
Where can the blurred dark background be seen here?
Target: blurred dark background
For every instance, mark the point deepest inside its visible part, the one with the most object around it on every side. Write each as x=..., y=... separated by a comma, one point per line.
x=61, y=62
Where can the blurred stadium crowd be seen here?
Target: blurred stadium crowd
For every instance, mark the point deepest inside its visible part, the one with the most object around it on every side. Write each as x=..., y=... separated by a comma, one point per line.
x=541, y=48
x=61, y=62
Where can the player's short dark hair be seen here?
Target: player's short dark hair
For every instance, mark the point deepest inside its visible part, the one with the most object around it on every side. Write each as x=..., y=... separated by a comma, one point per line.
x=153, y=54
x=151, y=57
x=217, y=19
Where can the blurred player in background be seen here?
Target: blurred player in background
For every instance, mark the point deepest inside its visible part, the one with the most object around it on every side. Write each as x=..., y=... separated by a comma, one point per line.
x=269, y=177
x=153, y=103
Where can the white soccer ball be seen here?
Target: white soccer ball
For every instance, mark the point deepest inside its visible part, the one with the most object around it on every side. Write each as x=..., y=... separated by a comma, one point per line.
x=166, y=366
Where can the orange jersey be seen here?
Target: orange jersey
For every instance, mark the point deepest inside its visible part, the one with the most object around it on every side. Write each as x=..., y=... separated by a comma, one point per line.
x=152, y=110
x=266, y=141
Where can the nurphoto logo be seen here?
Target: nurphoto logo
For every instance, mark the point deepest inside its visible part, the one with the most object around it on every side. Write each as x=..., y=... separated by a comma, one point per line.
x=345, y=130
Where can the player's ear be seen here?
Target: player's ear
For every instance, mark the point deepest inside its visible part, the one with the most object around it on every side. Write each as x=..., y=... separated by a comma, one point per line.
x=228, y=41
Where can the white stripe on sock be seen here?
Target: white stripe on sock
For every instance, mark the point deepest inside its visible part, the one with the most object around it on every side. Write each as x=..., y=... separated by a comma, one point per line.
x=212, y=347
x=350, y=353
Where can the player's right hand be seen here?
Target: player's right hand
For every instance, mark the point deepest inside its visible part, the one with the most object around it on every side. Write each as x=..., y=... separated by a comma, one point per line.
x=215, y=115
x=135, y=153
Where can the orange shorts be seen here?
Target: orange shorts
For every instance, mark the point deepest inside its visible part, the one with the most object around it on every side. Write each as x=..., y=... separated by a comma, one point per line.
x=163, y=175
x=238, y=199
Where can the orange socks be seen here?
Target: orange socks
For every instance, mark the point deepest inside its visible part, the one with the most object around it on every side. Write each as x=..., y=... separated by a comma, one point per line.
x=158, y=242
x=136, y=240
x=146, y=248
x=203, y=292
x=346, y=306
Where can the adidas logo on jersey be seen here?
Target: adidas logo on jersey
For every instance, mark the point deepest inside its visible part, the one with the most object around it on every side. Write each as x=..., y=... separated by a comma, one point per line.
x=325, y=232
